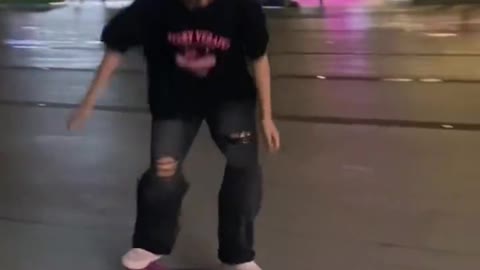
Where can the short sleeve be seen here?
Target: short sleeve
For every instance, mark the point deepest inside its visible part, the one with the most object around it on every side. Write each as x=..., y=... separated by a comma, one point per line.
x=124, y=30
x=254, y=28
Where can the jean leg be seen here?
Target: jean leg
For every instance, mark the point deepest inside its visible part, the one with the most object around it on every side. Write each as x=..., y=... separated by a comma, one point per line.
x=233, y=127
x=161, y=189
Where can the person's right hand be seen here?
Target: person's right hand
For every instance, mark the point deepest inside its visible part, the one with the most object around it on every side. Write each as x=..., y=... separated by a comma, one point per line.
x=79, y=117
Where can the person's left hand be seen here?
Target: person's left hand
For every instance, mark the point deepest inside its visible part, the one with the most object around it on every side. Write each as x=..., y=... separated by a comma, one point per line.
x=272, y=136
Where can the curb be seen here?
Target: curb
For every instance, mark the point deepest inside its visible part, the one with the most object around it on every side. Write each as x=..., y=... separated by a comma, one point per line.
x=379, y=78
x=332, y=120
x=331, y=77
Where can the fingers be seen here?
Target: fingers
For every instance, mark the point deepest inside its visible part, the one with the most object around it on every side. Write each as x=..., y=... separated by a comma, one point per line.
x=269, y=141
x=75, y=122
x=75, y=125
x=272, y=138
x=72, y=124
x=77, y=119
x=274, y=142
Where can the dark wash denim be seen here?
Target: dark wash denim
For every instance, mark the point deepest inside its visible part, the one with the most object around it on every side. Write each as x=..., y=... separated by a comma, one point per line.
x=233, y=128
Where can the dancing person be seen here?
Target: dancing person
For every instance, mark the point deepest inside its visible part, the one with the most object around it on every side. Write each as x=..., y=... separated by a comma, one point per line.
x=206, y=61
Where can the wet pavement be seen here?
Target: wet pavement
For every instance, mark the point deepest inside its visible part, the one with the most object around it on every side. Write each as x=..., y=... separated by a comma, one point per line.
x=378, y=170
x=360, y=45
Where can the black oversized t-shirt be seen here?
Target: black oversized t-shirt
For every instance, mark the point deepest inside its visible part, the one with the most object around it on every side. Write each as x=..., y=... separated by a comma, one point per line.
x=195, y=58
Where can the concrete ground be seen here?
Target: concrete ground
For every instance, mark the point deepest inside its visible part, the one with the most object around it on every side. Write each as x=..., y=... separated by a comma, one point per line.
x=375, y=173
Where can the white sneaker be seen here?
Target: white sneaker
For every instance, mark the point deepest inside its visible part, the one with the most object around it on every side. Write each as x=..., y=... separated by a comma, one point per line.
x=137, y=258
x=243, y=266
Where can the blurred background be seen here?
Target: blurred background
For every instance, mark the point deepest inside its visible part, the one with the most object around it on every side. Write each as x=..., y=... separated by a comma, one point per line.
x=378, y=102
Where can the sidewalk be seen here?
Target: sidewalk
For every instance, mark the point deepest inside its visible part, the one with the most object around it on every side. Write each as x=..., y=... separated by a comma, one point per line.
x=364, y=180
x=362, y=47
x=332, y=201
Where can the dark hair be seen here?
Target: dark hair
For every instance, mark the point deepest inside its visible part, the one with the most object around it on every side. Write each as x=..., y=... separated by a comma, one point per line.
x=192, y=3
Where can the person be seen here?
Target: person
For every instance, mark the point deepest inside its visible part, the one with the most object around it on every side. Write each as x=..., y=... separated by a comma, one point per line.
x=206, y=61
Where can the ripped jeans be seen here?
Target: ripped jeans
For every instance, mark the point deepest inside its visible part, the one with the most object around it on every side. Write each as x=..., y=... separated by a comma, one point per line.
x=162, y=188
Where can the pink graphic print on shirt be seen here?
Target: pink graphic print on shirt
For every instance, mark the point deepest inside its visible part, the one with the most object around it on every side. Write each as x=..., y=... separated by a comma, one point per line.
x=196, y=50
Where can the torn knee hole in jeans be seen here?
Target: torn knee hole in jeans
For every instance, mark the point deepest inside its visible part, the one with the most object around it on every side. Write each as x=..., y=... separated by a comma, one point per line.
x=242, y=137
x=166, y=167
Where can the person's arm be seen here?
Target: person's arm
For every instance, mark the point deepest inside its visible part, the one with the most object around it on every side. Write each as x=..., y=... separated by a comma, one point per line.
x=110, y=63
x=121, y=33
x=261, y=71
x=255, y=38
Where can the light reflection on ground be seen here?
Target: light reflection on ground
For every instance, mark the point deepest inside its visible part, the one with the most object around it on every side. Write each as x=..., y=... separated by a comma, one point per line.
x=339, y=3
x=309, y=3
x=302, y=3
